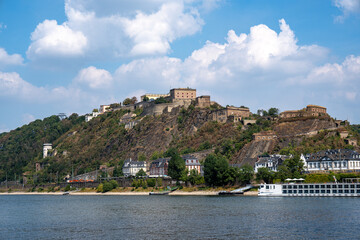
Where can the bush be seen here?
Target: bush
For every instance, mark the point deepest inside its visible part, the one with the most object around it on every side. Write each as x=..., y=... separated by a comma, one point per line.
x=100, y=188
x=114, y=184
x=107, y=186
x=67, y=188
x=151, y=182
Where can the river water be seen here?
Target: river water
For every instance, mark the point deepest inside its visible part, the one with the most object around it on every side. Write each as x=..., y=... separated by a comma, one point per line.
x=177, y=217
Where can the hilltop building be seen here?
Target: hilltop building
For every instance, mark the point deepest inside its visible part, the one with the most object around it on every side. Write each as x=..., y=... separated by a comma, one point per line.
x=152, y=97
x=310, y=110
x=182, y=93
x=235, y=114
x=203, y=101
x=332, y=160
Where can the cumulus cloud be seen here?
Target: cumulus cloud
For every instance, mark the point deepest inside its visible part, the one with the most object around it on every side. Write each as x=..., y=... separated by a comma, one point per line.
x=6, y=59
x=94, y=78
x=11, y=84
x=347, y=7
x=52, y=40
x=94, y=30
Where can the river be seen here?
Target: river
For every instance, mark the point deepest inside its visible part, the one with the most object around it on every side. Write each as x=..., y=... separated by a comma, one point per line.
x=177, y=217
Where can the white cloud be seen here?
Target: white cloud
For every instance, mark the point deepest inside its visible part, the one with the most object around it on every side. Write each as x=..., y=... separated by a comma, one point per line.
x=52, y=40
x=94, y=78
x=344, y=73
x=6, y=59
x=347, y=7
x=106, y=30
x=11, y=84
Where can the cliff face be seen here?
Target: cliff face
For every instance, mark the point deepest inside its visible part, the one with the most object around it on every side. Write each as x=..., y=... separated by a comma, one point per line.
x=302, y=127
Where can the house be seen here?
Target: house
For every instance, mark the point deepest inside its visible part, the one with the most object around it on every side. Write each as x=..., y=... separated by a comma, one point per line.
x=104, y=108
x=203, y=102
x=332, y=160
x=159, y=167
x=88, y=117
x=131, y=168
x=192, y=163
x=272, y=162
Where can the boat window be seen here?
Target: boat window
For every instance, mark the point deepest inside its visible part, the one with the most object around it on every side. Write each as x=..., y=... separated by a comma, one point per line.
x=352, y=191
x=322, y=191
x=322, y=186
x=300, y=191
x=317, y=191
x=358, y=185
x=290, y=191
x=284, y=191
x=334, y=186
x=317, y=186
x=328, y=186
x=352, y=186
x=334, y=191
x=340, y=191
x=346, y=186
x=267, y=187
x=295, y=186
x=328, y=191
x=284, y=187
x=358, y=191
x=311, y=191
x=289, y=187
x=300, y=186
x=346, y=191
x=306, y=191
x=311, y=186
x=340, y=186
x=306, y=186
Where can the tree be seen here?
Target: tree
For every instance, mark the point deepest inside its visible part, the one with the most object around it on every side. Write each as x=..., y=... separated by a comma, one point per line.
x=95, y=110
x=273, y=112
x=265, y=174
x=176, y=168
x=127, y=101
x=246, y=174
x=195, y=178
x=295, y=166
x=145, y=99
x=215, y=167
x=141, y=157
x=134, y=100
x=141, y=173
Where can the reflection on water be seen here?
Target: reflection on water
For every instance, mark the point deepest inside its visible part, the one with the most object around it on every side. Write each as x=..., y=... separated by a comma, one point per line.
x=177, y=217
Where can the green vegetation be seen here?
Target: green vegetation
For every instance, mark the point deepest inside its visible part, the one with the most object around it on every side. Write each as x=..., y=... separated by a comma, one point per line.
x=161, y=100
x=176, y=168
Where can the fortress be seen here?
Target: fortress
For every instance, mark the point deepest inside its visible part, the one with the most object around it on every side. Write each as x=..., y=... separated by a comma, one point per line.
x=310, y=110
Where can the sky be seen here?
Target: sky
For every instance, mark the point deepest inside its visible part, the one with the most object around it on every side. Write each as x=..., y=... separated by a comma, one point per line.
x=73, y=56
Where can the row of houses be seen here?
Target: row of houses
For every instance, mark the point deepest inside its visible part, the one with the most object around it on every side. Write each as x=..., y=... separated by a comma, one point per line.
x=158, y=167
x=327, y=160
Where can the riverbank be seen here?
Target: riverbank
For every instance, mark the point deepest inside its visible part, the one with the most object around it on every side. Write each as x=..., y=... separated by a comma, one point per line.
x=80, y=193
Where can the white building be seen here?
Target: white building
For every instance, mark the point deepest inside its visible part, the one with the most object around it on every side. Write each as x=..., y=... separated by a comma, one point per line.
x=131, y=168
x=46, y=148
x=332, y=160
x=272, y=162
x=88, y=117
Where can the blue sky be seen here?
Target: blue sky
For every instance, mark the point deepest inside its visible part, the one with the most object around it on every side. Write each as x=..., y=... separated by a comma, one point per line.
x=74, y=55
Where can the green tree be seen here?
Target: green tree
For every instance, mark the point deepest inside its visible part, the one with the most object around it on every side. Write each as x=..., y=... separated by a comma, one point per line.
x=215, y=167
x=145, y=99
x=141, y=157
x=295, y=166
x=273, y=112
x=107, y=186
x=246, y=174
x=141, y=173
x=176, y=168
x=265, y=174
x=195, y=178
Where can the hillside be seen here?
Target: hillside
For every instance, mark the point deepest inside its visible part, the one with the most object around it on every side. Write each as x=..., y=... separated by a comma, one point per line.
x=83, y=146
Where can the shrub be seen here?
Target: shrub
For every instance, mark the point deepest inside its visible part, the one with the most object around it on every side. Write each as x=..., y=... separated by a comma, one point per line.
x=107, y=186
x=67, y=188
x=100, y=188
x=151, y=182
x=114, y=184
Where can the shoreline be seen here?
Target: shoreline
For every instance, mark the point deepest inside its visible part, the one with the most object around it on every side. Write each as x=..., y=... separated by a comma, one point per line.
x=175, y=193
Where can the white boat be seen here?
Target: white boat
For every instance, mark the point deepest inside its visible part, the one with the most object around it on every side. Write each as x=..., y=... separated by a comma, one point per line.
x=310, y=190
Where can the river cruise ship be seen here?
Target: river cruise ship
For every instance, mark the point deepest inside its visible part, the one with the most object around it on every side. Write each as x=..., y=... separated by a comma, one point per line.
x=347, y=189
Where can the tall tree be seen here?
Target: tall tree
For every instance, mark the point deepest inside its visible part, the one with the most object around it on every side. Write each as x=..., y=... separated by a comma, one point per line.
x=215, y=168
x=176, y=167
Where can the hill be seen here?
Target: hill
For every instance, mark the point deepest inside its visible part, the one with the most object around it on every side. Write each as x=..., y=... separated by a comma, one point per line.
x=81, y=146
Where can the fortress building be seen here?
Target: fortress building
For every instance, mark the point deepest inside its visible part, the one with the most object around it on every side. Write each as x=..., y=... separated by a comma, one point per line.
x=310, y=110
